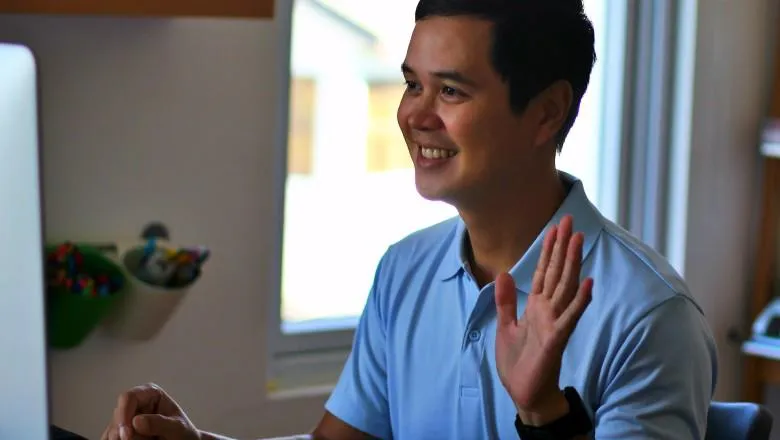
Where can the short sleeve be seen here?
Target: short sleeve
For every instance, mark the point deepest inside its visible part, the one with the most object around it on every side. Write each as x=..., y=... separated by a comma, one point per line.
x=360, y=396
x=662, y=379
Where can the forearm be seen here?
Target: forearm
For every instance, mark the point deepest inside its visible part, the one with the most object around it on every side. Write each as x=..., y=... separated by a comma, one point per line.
x=293, y=437
x=211, y=436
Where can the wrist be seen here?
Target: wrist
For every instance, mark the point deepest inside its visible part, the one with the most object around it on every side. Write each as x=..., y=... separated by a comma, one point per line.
x=551, y=419
x=548, y=410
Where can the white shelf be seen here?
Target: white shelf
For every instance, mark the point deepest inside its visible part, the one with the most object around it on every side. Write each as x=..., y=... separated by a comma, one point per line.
x=769, y=350
x=770, y=149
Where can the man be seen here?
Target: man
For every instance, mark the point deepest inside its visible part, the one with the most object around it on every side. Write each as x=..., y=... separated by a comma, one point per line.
x=484, y=326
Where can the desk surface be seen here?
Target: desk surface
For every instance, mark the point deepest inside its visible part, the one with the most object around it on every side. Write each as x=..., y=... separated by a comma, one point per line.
x=58, y=433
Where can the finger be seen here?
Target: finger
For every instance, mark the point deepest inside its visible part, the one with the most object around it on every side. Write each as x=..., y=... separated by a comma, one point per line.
x=555, y=267
x=159, y=426
x=126, y=405
x=569, y=318
x=110, y=433
x=132, y=402
x=122, y=432
x=537, y=285
x=506, y=301
x=570, y=278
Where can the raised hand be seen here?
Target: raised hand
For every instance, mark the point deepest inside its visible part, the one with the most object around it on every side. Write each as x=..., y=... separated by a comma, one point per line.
x=147, y=412
x=529, y=350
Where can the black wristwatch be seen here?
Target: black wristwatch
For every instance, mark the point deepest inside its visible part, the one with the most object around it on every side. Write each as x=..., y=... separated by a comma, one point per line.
x=575, y=423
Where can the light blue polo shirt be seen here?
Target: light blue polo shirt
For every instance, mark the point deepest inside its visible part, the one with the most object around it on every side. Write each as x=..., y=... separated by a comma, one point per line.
x=423, y=361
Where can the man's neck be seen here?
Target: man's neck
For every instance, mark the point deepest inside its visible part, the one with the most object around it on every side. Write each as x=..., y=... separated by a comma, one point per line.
x=501, y=231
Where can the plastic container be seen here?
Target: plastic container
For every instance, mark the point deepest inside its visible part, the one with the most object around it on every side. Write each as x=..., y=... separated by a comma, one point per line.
x=72, y=316
x=145, y=309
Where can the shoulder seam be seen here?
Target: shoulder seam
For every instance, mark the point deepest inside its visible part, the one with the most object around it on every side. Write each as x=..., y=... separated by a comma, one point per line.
x=645, y=262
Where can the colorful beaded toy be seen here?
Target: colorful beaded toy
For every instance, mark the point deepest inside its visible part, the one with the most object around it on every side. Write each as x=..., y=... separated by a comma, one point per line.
x=65, y=269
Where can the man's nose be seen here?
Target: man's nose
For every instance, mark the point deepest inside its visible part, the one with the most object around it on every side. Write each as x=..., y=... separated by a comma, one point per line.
x=424, y=116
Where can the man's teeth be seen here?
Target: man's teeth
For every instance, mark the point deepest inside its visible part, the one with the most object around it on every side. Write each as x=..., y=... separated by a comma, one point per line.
x=437, y=153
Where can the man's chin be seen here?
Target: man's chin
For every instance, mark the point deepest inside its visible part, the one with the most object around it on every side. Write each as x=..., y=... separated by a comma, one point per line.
x=435, y=194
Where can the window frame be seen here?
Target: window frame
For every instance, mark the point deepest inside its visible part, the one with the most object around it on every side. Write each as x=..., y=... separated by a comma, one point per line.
x=300, y=359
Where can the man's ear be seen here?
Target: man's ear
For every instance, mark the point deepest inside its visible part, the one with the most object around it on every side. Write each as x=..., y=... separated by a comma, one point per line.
x=552, y=107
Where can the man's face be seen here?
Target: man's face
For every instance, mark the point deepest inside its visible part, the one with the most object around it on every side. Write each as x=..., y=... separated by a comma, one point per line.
x=464, y=140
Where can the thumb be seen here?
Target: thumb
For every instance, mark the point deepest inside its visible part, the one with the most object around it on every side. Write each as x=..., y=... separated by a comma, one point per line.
x=158, y=426
x=506, y=300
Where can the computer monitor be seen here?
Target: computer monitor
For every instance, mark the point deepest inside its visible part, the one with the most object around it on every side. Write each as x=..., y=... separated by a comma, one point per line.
x=23, y=346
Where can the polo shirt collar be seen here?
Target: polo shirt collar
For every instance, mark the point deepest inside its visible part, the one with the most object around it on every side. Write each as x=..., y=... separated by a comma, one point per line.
x=587, y=220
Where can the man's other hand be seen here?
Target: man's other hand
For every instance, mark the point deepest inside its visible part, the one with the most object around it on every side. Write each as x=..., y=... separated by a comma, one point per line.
x=148, y=412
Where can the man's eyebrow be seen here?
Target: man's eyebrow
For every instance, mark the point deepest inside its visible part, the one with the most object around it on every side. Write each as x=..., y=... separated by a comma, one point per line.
x=452, y=75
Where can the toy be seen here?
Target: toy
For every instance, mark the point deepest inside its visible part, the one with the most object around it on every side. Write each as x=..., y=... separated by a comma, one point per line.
x=162, y=266
x=65, y=270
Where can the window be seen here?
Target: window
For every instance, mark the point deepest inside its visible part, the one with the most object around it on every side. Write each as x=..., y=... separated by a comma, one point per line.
x=348, y=170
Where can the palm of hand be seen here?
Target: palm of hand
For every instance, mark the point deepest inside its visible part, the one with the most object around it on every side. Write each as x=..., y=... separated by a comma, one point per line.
x=527, y=355
x=529, y=349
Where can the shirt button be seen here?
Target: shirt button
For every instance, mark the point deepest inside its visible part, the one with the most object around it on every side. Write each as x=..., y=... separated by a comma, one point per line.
x=474, y=335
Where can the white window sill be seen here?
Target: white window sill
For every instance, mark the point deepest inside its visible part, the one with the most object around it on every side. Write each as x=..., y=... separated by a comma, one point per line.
x=320, y=325
x=301, y=393
x=294, y=376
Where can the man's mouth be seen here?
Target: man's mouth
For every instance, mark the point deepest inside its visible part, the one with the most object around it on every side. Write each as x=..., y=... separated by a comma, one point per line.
x=429, y=152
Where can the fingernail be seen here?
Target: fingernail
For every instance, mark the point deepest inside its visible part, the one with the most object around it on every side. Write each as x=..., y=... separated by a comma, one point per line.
x=124, y=433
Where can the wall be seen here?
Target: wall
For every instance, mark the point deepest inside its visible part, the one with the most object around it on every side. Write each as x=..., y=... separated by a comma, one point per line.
x=170, y=120
x=728, y=92
x=174, y=120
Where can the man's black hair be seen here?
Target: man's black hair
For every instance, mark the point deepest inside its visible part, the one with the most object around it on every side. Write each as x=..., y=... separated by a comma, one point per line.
x=535, y=43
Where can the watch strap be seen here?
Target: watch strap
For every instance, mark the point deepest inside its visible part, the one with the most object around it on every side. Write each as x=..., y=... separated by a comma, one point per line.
x=575, y=423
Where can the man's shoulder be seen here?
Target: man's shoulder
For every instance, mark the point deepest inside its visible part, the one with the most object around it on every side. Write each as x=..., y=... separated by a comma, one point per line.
x=641, y=306
x=634, y=283
x=622, y=256
x=426, y=242
x=424, y=255
x=432, y=235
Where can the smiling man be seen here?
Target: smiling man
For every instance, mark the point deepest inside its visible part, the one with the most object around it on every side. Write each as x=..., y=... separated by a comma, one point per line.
x=529, y=314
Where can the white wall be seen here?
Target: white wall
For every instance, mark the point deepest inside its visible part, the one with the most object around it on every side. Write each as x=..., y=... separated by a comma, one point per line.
x=729, y=93
x=168, y=120
x=174, y=120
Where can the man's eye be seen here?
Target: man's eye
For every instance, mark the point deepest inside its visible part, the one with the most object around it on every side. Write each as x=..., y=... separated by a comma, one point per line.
x=449, y=91
x=411, y=85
